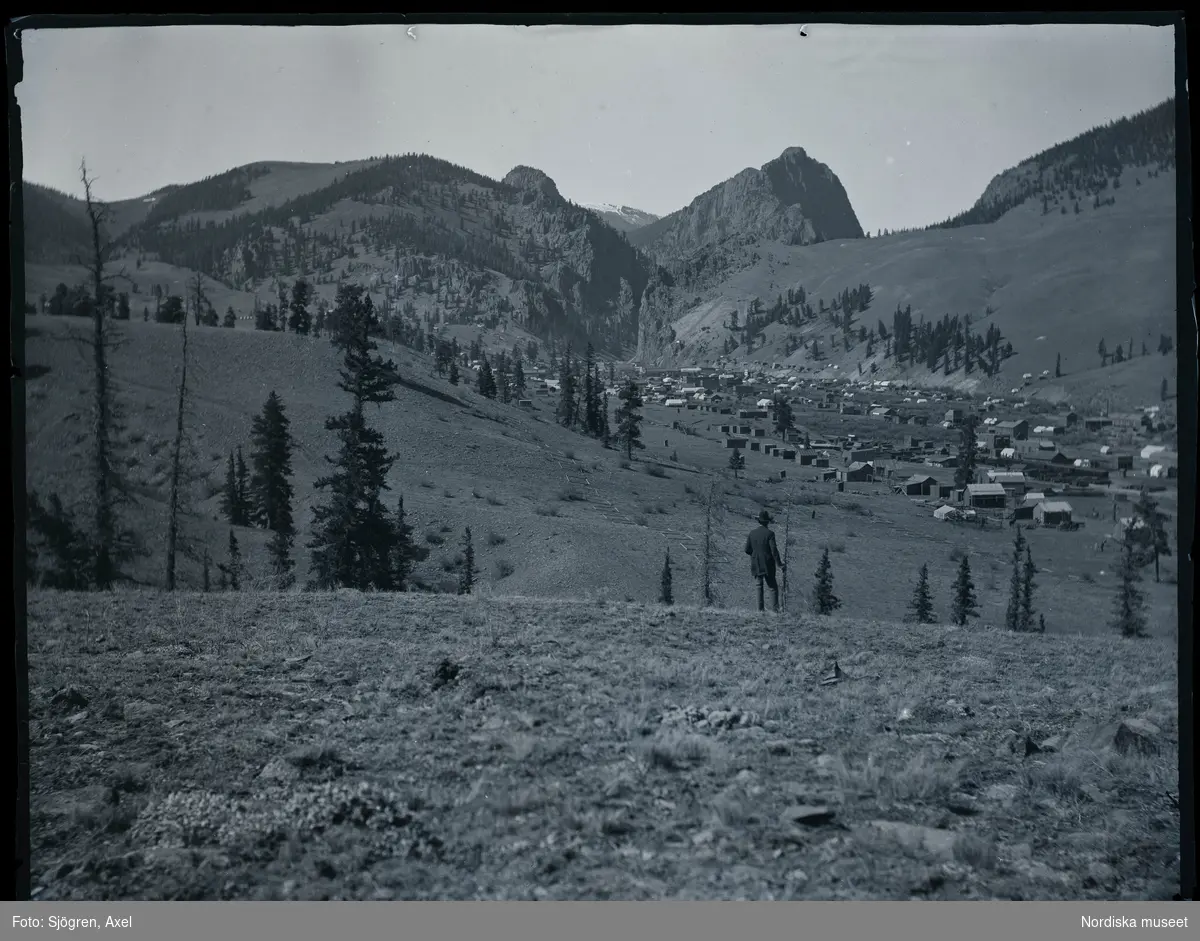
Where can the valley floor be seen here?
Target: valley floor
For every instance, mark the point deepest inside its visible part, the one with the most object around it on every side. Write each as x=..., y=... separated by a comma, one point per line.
x=266, y=746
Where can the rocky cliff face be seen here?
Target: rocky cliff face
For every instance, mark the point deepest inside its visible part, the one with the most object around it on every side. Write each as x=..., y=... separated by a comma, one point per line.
x=657, y=310
x=793, y=199
x=599, y=276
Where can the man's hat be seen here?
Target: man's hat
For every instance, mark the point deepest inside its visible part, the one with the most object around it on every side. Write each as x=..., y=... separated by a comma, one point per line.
x=764, y=517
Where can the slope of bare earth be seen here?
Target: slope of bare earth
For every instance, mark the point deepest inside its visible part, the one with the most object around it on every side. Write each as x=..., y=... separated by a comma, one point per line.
x=257, y=746
x=1058, y=284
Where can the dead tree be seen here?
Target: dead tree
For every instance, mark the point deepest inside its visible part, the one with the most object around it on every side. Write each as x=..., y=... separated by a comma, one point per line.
x=110, y=545
x=708, y=559
x=173, y=506
x=787, y=528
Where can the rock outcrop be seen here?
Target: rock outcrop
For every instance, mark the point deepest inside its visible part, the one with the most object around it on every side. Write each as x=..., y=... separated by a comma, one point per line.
x=793, y=199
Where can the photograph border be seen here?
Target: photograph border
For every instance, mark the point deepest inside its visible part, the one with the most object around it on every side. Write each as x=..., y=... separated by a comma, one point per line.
x=1185, y=344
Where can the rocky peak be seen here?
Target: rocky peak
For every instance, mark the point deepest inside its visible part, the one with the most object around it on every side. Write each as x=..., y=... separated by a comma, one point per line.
x=793, y=199
x=532, y=180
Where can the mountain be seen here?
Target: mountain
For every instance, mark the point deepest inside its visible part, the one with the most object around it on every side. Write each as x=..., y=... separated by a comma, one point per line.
x=794, y=199
x=438, y=245
x=622, y=218
x=1083, y=165
x=1072, y=246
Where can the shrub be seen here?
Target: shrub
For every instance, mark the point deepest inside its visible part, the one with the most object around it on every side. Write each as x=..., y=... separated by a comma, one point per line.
x=503, y=568
x=495, y=539
x=655, y=470
x=434, y=539
x=571, y=495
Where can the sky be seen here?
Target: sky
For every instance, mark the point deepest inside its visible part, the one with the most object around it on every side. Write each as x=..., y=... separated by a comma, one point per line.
x=914, y=120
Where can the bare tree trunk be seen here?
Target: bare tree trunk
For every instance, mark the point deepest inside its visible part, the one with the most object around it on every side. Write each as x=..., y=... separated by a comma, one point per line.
x=787, y=528
x=104, y=514
x=706, y=594
x=176, y=469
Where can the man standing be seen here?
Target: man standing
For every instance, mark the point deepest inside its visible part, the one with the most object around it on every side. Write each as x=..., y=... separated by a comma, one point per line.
x=764, y=557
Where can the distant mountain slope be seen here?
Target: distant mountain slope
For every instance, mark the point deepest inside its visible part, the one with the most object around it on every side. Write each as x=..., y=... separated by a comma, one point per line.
x=1053, y=276
x=1080, y=169
x=794, y=199
x=443, y=245
x=56, y=230
x=622, y=218
x=1053, y=284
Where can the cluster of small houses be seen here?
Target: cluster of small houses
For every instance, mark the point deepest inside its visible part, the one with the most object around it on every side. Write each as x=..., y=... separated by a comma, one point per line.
x=1021, y=451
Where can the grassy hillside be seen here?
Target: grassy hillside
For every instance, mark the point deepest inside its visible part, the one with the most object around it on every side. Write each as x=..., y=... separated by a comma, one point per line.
x=1057, y=284
x=553, y=513
x=438, y=244
x=569, y=516
x=346, y=746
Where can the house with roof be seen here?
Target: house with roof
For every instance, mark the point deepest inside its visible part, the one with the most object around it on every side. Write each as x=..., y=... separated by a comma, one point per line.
x=858, y=472
x=918, y=485
x=1024, y=509
x=1052, y=512
x=985, y=496
x=1015, y=430
x=1013, y=482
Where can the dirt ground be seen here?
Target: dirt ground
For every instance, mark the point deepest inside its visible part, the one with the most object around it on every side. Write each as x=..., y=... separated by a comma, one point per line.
x=257, y=746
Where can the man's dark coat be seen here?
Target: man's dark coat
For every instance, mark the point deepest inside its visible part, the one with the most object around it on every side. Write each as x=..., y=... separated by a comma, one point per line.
x=764, y=554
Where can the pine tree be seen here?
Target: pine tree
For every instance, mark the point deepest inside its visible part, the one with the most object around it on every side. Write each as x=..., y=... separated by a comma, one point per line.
x=1058, y=366
x=591, y=393
x=922, y=603
x=270, y=489
x=737, y=462
x=279, y=549
x=205, y=563
x=486, y=381
x=629, y=419
x=231, y=570
x=519, y=379
x=783, y=417
x=354, y=538
x=1154, y=532
x=665, y=595
x=1129, y=615
x=1027, y=573
x=300, y=320
x=229, y=496
x=568, y=405
x=466, y=569
x=965, y=603
x=68, y=545
x=453, y=372
x=605, y=428
x=243, y=491
x=965, y=472
x=825, y=601
x=1012, y=616
x=230, y=320
x=407, y=551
